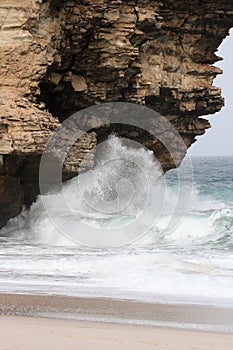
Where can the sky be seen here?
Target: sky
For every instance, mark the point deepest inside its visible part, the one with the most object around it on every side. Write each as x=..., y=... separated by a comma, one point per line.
x=218, y=140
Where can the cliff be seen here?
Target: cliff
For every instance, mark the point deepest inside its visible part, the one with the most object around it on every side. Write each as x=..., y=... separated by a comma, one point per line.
x=58, y=57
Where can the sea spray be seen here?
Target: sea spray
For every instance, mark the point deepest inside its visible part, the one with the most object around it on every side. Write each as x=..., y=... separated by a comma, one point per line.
x=125, y=198
x=190, y=264
x=113, y=204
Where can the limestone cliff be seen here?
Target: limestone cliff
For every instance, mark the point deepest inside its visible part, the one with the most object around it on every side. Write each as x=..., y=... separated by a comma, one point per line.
x=60, y=56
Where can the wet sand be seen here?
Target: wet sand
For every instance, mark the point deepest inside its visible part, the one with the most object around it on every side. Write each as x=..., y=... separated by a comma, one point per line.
x=38, y=322
x=201, y=317
x=25, y=333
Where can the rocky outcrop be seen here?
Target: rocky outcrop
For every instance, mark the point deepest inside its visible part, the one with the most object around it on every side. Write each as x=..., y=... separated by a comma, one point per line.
x=59, y=56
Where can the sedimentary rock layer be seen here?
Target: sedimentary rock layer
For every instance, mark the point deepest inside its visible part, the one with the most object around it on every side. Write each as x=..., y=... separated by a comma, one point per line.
x=58, y=57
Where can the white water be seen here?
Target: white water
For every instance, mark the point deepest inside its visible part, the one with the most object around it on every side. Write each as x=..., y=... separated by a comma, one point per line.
x=123, y=200
x=112, y=205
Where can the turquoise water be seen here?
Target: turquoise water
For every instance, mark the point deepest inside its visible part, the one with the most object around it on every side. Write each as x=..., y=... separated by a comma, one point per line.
x=212, y=200
x=191, y=262
x=214, y=177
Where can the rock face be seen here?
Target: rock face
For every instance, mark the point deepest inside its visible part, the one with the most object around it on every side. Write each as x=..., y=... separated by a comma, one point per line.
x=59, y=56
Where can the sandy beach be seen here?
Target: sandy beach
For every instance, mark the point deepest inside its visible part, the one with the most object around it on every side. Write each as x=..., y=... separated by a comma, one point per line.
x=108, y=310
x=35, y=322
x=25, y=333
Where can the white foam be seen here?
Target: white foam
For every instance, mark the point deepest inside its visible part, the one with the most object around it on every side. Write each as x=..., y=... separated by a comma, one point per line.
x=191, y=261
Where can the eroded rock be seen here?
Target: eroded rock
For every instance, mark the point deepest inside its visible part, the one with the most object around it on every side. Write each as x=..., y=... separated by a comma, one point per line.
x=58, y=57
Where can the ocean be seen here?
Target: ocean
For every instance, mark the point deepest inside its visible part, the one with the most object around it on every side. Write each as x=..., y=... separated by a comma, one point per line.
x=114, y=233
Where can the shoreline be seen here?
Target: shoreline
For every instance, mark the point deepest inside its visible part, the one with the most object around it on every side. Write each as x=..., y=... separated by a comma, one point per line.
x=57, y=322
x=117, y=311
x=26, y=333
